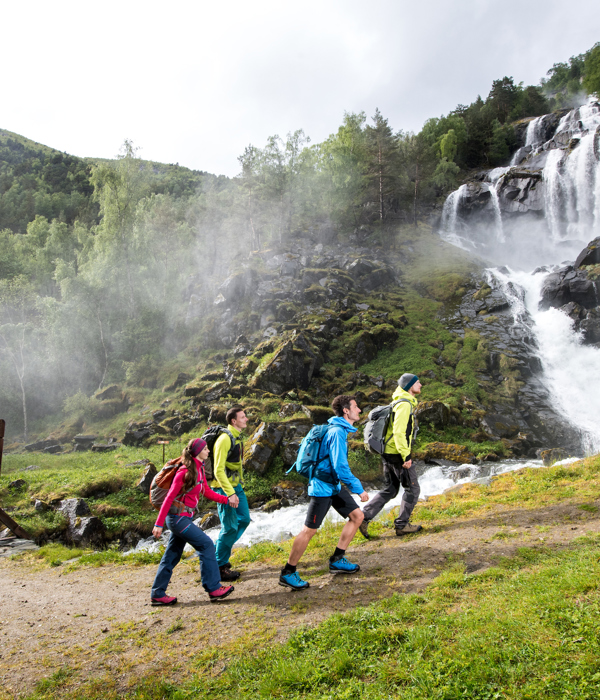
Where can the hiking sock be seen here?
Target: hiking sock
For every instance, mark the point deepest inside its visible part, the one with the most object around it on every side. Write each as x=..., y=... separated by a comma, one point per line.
x=288, y=569
x=338, y=554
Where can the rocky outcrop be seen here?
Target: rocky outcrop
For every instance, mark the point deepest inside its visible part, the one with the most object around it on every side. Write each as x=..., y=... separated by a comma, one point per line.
x=575, y=290
x=292, y=366
x=83, y=527
x=442, y=450
x=262, y=447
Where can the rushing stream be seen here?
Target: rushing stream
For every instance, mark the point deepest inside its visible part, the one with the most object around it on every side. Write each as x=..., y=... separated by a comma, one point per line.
x=285, y=523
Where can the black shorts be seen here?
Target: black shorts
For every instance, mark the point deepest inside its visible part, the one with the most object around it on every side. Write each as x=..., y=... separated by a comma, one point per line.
x=318, y=507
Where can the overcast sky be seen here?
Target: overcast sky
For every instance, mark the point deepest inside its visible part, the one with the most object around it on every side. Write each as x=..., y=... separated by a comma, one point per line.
x=196, y=82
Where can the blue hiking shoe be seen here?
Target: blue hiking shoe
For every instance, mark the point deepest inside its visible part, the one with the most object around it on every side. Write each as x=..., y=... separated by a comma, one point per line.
x=293, y=581
x=343, y=566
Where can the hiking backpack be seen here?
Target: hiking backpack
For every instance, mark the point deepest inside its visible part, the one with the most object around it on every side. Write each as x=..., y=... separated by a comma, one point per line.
x=308, y=461
x=210, y=437
x=377, y=426
x=162, y=482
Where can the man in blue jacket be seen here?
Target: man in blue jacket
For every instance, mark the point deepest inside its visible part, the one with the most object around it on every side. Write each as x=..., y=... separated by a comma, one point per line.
x=327, y=491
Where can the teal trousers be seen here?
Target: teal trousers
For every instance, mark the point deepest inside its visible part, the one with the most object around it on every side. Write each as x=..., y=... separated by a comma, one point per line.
x=234, y=522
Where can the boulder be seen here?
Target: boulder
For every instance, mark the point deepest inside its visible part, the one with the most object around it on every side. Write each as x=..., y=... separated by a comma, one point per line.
x=499, y=426
x=191, y=390
x=135, y=438
x=83, y=443
x=105, y=447
x=450, y=451
x=17, y=485
x=590, y=255
x=317, y=414
x=145, y=481
x=208, y=521
x=274, y=504
x=292, y=367
x=87, y=531
x=288, y=409
x=41, y=445
x=74, y=508
x=262, y=447
x=52, y=449
x=293, y=491
x=434, y=412
x=182, y=378
x=111, y=392
x=552, y=455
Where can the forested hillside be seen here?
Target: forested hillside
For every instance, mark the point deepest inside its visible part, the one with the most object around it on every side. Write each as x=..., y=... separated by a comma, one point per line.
x=101, y=261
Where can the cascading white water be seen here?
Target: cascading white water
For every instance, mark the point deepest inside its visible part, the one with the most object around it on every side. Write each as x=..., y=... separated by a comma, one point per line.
x=450, y=217
x=570, y=370
x=534, y=134
x=497, y=214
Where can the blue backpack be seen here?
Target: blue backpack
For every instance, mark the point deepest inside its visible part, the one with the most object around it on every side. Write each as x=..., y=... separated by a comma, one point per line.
x=308, y=459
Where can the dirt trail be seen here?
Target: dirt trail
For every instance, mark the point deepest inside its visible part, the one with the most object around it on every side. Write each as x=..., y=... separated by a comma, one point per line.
x=98, y=621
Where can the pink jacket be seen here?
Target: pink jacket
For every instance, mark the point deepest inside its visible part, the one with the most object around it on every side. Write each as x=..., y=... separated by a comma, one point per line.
x=191, y=498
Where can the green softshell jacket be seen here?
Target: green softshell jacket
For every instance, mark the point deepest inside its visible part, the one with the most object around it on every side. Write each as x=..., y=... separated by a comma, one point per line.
x=227, y=474
x=399, y=433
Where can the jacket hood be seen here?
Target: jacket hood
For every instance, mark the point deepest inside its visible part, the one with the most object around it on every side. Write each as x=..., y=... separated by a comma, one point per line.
x=401, y=394
x=340, y=422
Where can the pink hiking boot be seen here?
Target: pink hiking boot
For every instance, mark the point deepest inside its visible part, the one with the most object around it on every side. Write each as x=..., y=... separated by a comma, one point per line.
x=220, y=593
x=165, y=600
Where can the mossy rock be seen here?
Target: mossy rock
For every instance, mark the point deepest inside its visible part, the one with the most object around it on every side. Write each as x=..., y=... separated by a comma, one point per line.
x=446, y=450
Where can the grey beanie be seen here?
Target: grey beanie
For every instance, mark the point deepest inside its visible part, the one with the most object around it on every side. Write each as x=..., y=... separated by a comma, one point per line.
x=407, y=380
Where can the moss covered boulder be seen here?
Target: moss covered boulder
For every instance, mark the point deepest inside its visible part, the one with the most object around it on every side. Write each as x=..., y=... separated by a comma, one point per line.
x=262, y=447
x=446, y=450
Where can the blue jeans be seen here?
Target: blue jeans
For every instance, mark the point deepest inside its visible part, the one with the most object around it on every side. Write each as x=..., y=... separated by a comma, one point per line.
x=234, y=522
x=184, y=531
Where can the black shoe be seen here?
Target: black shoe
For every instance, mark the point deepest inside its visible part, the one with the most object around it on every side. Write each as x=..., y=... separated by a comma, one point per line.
x=228, y=574
x=408, y=529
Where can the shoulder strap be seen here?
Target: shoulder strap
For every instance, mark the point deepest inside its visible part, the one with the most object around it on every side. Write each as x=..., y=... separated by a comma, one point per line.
x=393, y=405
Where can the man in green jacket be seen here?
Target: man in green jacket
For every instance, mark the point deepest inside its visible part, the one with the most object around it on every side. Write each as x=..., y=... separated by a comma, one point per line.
x=227, y=466
x=398, y=469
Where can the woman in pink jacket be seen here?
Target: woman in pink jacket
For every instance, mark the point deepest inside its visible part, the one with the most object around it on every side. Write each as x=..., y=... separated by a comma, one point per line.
x=177, y=510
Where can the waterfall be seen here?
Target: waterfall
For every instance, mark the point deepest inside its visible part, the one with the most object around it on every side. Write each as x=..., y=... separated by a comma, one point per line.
x=570, y=370
x=497, y=214
x=450, y=219
x=553, y=193
x=534, y=134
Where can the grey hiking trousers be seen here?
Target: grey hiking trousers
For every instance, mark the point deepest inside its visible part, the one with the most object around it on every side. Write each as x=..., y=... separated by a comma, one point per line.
x=392, y=464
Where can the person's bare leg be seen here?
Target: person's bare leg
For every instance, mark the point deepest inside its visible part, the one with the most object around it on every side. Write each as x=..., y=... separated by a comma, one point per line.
x=349, y=530
x=301, y=543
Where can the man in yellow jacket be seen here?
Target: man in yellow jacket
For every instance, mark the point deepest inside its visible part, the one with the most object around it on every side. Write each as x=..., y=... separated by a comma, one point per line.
x=227, y=467
x=398, y=469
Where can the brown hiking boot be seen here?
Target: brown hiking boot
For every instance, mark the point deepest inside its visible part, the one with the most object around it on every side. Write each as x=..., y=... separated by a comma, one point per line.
x=364, y=529
x=408, y=529
x=228, y=574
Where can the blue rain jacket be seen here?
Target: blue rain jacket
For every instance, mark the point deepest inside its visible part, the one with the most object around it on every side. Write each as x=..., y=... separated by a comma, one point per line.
x=335, y=444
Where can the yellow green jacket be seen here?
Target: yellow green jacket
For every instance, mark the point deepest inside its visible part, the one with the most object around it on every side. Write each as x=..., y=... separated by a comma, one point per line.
x=227, y=474
x=398, y=441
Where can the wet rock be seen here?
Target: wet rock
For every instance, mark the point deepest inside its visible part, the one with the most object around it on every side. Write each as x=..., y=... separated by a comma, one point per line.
x=216, y=391
x=157, y=416
x=434, y=412
x=293, y=491
x=272, y=505
x=552, y=455
x=145, y=482
x=590, y=255
x=443, y=450
x=208, y=521
x=262, y=447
